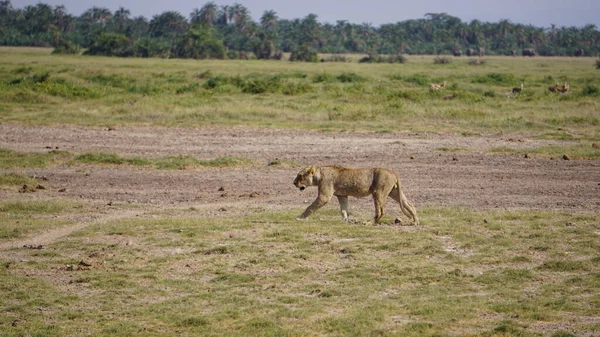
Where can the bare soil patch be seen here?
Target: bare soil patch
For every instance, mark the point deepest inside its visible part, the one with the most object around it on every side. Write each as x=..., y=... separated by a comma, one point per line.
x=470, y=177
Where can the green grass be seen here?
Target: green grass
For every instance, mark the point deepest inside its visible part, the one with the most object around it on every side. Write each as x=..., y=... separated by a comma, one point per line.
x=15, y=179
x=108, y=158
x=462, y=273
x=577, y=151
x=166, y=163
x=12, y=159
x=48, y=89
x=19, y=218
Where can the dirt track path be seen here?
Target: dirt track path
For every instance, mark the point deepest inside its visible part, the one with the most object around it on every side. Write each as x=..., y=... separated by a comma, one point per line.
x=431, y=176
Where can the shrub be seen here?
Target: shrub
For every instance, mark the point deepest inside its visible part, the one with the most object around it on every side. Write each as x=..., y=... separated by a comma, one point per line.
x=304, y=53
x=251, y=84
x=350, y=77
x=65, y=47
x=324, y=77
x=495, y=78
x=372, y=58
x=590, y=90
x=292, y=88
x=598, y=64
x=261, y=85
x=111, y=44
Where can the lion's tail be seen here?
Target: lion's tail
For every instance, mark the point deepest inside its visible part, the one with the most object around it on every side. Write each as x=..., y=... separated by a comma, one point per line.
x=407, y=208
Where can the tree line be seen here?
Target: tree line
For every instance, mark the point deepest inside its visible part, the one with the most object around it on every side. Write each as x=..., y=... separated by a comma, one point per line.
x=228, y=31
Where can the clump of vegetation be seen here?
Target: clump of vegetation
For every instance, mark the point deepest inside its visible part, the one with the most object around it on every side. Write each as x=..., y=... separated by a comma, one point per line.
x=66, y=47
x=251, y=84
x=590, y=91
x=296, y=88
x=495, y=78
x=489, y=93
x=373, y=58
x=442, y=60
x=108, y=158
x=304, y=53
x=111, y=44
x=14, y=159
x=323, y=77
x=350, y=78
x=598, y=63
x=180, y=162
x=204, y=75
x=14, y=179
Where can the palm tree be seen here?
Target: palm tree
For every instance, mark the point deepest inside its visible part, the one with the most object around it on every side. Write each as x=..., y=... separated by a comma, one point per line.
x=240, y=16
x=269, y=20
x=310, y=29
x=138, y=27
x=208, y=13
x=38, y=18
x=223, y=17
x=168, y=24
x=5, y=7
x=121, y=17
x=195, y=16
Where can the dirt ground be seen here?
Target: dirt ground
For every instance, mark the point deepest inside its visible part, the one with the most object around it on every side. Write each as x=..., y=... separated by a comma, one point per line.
x=471, y=177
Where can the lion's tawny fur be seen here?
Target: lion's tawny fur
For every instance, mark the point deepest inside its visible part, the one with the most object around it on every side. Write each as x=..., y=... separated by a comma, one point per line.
x=350, y=182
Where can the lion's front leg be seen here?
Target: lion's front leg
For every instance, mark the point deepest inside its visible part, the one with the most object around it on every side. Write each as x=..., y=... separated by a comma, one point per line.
x=344, y=207
x=322, y=199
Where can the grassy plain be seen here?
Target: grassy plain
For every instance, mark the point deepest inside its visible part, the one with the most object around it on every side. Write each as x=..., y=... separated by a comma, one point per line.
x=463, y=272
x=39, y=88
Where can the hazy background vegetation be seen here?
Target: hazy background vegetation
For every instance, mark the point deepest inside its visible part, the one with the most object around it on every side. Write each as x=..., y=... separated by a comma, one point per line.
x=229, y=32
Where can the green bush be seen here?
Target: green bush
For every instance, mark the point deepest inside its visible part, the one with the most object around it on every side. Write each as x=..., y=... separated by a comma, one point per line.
x=372, y=58
x=293, y=88
x=590, y=91
x=111, y=44
x=324, y=77
x=261, y=85
x=350, y=77
x=304, y=53
x=65, y=47
x=495, y=78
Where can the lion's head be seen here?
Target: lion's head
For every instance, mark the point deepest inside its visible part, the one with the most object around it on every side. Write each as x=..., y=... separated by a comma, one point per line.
x=305, y=178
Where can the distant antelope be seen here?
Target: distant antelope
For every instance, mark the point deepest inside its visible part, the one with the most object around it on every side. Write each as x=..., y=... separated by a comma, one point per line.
x=437, y=86
x=555, y=88
x=565, y=88
x=518, y=90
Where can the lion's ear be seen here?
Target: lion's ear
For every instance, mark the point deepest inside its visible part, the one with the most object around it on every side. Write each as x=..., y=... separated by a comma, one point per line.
x=312, y=170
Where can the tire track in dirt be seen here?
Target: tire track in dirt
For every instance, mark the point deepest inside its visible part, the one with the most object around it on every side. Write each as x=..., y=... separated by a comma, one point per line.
x=53, y=235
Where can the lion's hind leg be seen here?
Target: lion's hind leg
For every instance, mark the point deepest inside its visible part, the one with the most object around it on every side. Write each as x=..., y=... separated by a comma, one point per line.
x=407, y=208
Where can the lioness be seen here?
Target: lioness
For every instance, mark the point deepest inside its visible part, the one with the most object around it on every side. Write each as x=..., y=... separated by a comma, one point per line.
x=344, y=182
